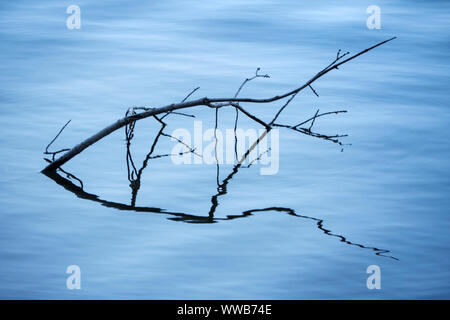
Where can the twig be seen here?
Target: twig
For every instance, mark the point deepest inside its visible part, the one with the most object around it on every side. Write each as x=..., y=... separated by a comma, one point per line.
x=313, y=90
x=314, y=119
x=53, y=153
x=190, y=94
x=318, y=116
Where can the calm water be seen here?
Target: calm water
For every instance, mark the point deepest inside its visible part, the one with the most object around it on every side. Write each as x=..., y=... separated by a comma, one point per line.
x=314, y=227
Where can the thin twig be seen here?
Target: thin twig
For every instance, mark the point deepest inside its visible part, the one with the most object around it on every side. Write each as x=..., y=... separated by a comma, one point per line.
x=190, y=94
x=53, y=153
x=318, y=116
x=314, y=119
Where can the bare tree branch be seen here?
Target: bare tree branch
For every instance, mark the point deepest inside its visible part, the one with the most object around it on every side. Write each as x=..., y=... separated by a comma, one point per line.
x=212, y=103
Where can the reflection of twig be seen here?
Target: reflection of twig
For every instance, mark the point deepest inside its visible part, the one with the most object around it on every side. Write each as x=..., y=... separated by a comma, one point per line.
x=183, y=143
x=134, y=175
x=319, y=222
x=257, y=158
x=215, y=145
x=222, y=190
x=190, y=218
x=68, y=174
x=222, y=187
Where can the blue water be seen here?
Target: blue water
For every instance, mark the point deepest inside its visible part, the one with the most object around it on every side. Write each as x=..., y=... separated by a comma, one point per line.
x=386, y=194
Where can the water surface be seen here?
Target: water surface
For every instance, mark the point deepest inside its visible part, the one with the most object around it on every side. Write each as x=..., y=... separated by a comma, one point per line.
x=308, y=232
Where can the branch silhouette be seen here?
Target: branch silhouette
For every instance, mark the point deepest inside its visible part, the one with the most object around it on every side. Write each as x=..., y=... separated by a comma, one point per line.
x=222, y=189
x=134, y=174
x=213, y=103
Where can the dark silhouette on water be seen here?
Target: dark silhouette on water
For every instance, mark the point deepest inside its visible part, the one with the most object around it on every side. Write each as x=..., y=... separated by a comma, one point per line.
x=134, y=176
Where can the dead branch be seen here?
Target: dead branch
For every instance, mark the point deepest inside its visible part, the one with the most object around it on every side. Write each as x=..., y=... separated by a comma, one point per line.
x=213, y=103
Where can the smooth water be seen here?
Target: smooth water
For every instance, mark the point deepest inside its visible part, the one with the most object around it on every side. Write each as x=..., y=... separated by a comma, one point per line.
x=308, y=232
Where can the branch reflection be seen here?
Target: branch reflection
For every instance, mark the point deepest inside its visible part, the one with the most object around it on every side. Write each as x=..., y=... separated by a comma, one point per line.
x=135, y=175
